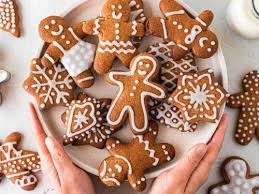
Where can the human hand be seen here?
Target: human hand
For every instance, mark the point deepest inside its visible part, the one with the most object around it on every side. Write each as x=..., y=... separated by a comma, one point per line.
x=192, y=171
x=64, y=176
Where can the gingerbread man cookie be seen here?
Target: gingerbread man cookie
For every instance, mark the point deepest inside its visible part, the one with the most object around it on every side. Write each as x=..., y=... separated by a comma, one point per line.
x=248, y=102
x=171, y=69
x=199, y=97
x=86, y=123
x=171, y=116
x=138, y=15
x=18, y=165
x=237, y=178
x=4, y=77
x=188, y=33
x=135, y=88
x=51, y=86
x=66, y=44
x=115, y=34
x=9, y=17
x=125, y=160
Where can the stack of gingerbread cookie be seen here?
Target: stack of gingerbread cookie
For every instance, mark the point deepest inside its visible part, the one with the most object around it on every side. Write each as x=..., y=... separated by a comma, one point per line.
x=162, y=84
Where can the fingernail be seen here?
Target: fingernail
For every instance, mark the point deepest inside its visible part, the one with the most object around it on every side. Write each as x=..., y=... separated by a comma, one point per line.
x=201, y=149
x=49, y=143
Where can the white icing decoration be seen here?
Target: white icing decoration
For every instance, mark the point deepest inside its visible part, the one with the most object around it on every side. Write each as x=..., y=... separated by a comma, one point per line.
x=97, y=26
x=237, y=170
x=10, y=149
x=132, y=3
x=85, y=79
x=142, y=95
x=47, y=56
x=164, y=28
x=147, y=148
x=201, y=21
x=127, y=162
x=194, y=32
x=178, y=12
x=52, y=84
x=81, y=119
x=8, y=16
x=171, y=116
x=134, y=28
x=202, y=40
x=79, y=58
x=59, y=32
x=115, y=43
x=116, y=16
x=103, y=172
x=183, y=47
x=115, y=50
x=26, y=181
x=111, y=180
x=118, y=167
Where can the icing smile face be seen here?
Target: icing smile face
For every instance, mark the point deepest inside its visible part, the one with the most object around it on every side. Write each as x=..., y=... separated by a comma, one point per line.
x=52, y=27
x=206, y=46
x=144, y=67
x=111, y=171
x=117, y=10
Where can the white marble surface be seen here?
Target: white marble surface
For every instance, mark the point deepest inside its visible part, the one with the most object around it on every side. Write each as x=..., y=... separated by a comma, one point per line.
x=241, y=56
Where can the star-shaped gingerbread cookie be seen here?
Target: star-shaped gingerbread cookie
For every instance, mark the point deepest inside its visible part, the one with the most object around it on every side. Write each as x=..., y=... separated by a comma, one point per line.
x=51, y=86
x=85, y=122
x=248, y=102
x=125, y=160
x=18, y=165
x=199, y=97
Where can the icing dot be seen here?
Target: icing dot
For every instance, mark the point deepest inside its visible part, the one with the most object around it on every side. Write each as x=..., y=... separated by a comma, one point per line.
x=53, y=22
x=213, y=43
x=47, y=27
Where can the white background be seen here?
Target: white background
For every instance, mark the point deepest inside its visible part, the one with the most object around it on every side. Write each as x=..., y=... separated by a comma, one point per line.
x=241, y=56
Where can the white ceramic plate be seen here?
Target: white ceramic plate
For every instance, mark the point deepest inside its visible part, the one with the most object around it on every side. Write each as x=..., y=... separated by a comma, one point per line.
x=89, y=158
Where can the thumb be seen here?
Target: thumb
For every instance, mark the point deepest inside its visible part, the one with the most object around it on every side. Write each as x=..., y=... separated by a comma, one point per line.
x=185, y=167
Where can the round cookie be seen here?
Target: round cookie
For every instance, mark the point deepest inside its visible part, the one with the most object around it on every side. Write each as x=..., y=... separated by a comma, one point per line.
x=189, y=34
x=51, y=86
x=248, y=103
x=17, y=165
x=115, y=33
x=237, y=178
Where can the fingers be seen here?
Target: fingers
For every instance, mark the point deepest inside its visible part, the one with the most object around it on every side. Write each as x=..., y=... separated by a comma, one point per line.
x=61, y=160
x=201, y=174
x=38, y=131
x=47, y=165
x=185, y=167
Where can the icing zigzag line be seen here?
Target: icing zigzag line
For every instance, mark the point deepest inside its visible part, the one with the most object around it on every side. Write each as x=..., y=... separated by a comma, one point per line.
x=152, y=152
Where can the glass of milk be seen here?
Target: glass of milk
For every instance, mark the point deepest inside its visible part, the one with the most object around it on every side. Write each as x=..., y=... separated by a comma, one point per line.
x=243, y=17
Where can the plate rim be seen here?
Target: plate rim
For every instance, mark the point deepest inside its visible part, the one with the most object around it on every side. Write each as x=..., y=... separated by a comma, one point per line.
x=155, y=173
